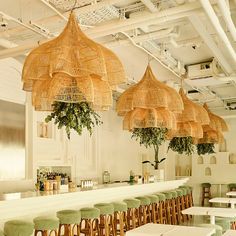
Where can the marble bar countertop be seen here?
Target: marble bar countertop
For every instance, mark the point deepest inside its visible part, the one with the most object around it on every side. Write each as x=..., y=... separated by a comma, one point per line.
x=35, y=203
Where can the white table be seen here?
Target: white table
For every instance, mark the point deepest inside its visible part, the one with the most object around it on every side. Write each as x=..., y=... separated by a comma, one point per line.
x=230, y=232
x=169, y=230
x=231, y=201
x=150, y=230
x=211, y=211
x=232, y=194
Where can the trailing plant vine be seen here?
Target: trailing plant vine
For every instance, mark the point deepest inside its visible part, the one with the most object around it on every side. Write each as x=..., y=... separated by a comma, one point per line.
x=151, y=137
x=74, y=116
x=182, y=145
x=205, y=148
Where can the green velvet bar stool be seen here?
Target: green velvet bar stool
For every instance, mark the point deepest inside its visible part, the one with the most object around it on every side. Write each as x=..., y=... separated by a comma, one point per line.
x=225, y=223
x=162, y=213
x=168, y=207
x=18, y=228
x=106, y=223
x=154, y=199
x=176, y=218
x=47, y=226
x=69, y=220
x=190, y=188
x=144, y=210
x=89, y=225
x=218, y=228
x=186, y=196
x=132, y=213
x=120, y=217
x=180, y=205
x=184, y=200
x=206, y=192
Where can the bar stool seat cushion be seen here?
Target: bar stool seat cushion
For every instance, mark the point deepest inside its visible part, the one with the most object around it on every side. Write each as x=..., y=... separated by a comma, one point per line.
x=89, y=213
x=153, y=198
x=46, y=223
x=1, y=233
x=144, y=201
x=184, y=190
x=216, y=227
x=105, y=208
x=18, y=228
x=68, y=217
x=174, y=194
x=168, y=195
x=189, y=187
x=206, y=185
x=180, y=192
x=132, y=203
x=161, y=196
x=119, y=206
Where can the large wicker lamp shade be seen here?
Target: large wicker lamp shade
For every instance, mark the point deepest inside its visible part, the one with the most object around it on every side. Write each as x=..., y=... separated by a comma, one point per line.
x=190, y=121
x=72, y=68
x=149, y=93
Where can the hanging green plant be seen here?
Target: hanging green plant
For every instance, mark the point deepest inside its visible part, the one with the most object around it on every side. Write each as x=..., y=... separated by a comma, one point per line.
x=205, y=148
x=182, y=145
x=151, y=137
x=74, y=116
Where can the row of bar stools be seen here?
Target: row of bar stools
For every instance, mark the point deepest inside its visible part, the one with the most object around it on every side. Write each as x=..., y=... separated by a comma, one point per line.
x=70, y=221
x=162, y=213
x=106, y=222
x=89, y=225
x=47, y=226
x=120, y=217
x=133, y=219
x=154, y=204
x=144, y=210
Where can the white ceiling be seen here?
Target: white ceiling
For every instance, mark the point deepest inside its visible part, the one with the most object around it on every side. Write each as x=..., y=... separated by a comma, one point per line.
x=164, y=28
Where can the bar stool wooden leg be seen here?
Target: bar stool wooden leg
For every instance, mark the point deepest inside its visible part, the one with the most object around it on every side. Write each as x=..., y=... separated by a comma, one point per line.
x=119, y=220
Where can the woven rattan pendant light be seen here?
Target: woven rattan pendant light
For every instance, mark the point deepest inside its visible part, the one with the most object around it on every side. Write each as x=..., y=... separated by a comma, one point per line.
x=213, y=132
x=72, y=68
x=191, y=120
x=149, y=103
x=149, y=93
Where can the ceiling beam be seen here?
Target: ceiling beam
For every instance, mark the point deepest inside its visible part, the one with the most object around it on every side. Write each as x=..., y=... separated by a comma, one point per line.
x=149, y=4
x=201, y=29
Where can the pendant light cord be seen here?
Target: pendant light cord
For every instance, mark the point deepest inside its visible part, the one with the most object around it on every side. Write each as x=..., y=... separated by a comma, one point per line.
x=74, y=6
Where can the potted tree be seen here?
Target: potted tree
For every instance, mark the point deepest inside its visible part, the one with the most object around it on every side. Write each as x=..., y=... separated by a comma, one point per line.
x=74, y=116
x=151, y=137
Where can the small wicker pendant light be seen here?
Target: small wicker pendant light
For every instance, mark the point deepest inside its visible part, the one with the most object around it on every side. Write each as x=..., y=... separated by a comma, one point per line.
x=190, y=121
x=149, y=93
x=72, y=68
x=213, y=132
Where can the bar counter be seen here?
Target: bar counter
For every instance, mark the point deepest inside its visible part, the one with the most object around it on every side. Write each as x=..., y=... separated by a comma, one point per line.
x=27, y=205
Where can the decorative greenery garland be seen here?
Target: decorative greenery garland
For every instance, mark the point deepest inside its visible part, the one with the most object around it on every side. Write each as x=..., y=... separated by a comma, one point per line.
x=205, y=148
x=182, y=145
x=151, y=137
x=74, y=116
